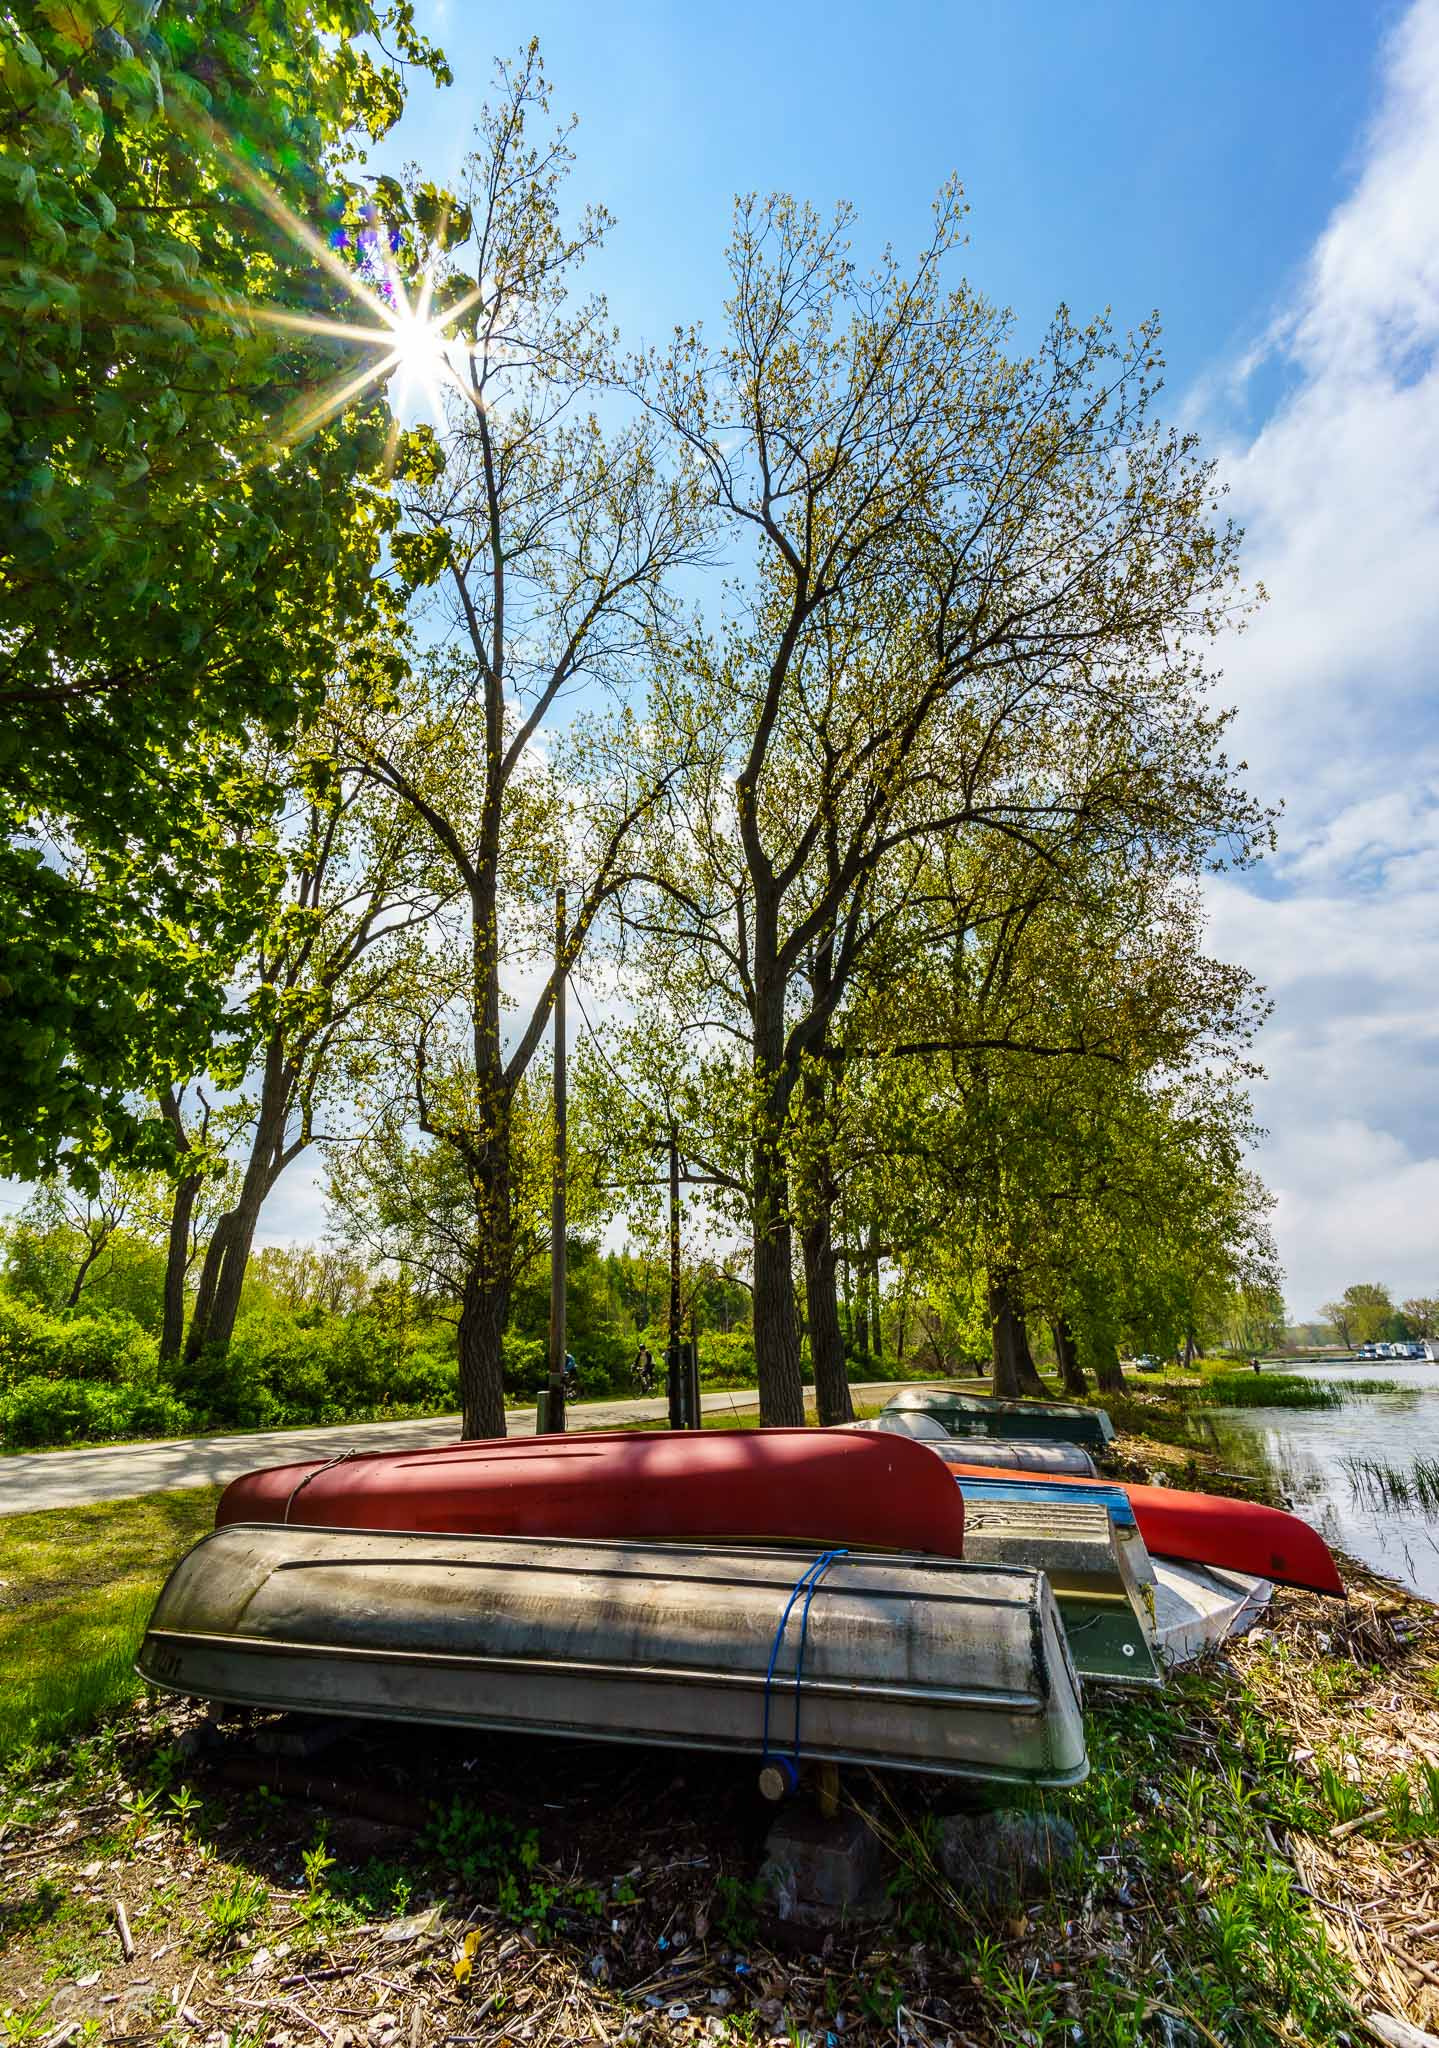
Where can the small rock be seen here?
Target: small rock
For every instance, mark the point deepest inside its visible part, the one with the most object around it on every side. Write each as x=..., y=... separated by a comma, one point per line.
x=999, y=1856
x=258, y=1963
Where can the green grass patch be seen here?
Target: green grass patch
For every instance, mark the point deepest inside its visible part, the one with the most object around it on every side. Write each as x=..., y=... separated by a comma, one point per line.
x=76, y=1589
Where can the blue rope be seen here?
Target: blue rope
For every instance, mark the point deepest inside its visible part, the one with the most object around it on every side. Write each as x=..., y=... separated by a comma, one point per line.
x=806, y=1583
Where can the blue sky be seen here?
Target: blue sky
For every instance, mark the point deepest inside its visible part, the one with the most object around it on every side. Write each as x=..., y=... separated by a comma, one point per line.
x=1140, y=155
x=1268, y=177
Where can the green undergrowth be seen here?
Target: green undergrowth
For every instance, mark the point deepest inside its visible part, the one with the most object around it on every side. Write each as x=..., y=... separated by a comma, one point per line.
x=76, y=1588
x=1174, y=1903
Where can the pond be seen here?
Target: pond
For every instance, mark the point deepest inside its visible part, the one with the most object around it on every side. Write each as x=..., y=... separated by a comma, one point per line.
x=1365, y=1474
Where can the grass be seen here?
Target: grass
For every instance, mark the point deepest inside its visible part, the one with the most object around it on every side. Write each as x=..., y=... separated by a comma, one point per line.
x=1174, y=1836
x=76, y=1588
x=1383, y=1486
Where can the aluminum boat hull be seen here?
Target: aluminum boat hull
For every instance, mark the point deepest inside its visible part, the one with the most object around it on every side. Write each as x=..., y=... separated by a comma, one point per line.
x=1197, y=1528
x=1070, y=1459
x=1015, y=1421
x=910, y=1663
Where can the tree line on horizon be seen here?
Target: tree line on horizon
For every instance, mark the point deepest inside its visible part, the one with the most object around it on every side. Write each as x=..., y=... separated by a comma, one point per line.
x=827, y=701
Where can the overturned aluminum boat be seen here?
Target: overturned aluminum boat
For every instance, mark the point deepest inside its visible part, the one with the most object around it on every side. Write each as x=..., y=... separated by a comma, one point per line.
x=1018, y=1421
x=1069, y=1459
x=1101, y=1576
x=1198, y=1606
x=908, y=1663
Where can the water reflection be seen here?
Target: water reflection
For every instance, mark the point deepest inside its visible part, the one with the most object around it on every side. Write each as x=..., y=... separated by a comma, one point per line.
x=1316, y=1456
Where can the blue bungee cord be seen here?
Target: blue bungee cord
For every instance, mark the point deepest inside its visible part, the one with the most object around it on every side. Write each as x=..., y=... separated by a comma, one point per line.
x=806, y=1583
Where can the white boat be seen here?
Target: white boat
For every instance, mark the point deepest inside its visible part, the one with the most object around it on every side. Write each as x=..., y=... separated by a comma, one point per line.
x=1197, y=1606
x=909, y=1663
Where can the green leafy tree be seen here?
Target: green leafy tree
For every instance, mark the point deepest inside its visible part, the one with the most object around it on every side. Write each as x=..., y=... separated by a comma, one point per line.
x=1363, y=1315
x=976, y=588
x=538, y=539
x=312, y=993
x=1421, y=1313
x=196, y=510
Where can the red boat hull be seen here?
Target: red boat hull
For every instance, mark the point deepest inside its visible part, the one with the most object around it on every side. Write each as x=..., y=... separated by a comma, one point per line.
x=1208, y=1528
x=783, y=1485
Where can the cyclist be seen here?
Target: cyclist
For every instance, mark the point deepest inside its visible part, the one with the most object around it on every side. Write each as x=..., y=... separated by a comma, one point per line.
x=643, y=1370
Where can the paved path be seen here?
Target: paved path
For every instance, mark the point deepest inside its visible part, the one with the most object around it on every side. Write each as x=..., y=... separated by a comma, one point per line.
x=62, y=1479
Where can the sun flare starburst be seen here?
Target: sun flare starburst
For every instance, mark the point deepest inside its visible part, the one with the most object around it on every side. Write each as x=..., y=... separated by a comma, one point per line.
x=409, y=341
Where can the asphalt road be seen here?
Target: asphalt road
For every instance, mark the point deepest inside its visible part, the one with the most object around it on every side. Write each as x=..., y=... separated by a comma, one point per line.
x=62, y=1479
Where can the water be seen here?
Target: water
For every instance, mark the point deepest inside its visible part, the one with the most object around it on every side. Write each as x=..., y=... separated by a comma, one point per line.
x=1306, y=1450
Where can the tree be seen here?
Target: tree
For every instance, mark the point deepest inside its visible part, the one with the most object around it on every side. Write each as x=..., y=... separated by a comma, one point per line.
x=1055, y=1080
x=1338, y=1315
x=545, y=539
x=978, y=586
x=1422, y=1315
x=196, y=508
x=1366, y=1311
x=335, y=943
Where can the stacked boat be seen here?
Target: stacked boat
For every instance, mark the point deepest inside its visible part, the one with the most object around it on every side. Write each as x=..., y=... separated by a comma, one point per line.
x=908, y=1594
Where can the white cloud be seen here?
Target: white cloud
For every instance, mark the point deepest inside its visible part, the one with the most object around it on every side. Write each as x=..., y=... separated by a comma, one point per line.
x=1339, y=492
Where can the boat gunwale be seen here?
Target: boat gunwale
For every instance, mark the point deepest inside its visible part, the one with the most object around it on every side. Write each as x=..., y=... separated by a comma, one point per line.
x=1027, y=1705
x=1053, y=1778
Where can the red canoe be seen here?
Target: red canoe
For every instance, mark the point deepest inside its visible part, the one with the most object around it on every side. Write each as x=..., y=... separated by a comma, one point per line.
x=783, y=1485
x=1208, y=1528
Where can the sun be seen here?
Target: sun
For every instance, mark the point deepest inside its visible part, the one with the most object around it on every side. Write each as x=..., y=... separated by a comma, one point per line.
x=418, y=344
x=396, y=337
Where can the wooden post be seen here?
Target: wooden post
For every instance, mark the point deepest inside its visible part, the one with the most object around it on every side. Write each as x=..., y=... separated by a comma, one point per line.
x=555, y=1420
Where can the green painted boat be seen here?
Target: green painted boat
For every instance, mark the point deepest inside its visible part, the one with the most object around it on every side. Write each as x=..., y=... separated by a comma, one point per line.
x=1018, y=1421
x=1106, y=1608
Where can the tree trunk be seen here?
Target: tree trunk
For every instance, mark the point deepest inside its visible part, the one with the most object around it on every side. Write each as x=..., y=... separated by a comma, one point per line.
x=776, y=1323
x=1108, y=1376
x=776, y=1326
x=223, y=1275
x=484, y=1311
x=1014, y=1373
x=826, y=1341
x=871, y=1282
x=861, y=1336
x=1071, y=1373
x=96, y=1247
x=177, y=1263
x=1189, y=1350
x=1029, y=1381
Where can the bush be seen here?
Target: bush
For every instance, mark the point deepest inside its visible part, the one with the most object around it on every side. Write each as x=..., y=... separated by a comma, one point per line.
x=109, y=1347
x=54, y=1411
x=726, y=1359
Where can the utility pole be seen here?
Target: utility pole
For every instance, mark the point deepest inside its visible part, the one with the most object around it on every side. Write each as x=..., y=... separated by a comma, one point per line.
x=556, y=1416
x=674, y=1349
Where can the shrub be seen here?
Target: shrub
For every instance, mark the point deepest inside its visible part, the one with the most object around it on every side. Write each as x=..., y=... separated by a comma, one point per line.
x=56, y=1411
x=726, y=1358
x=109, y=1346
